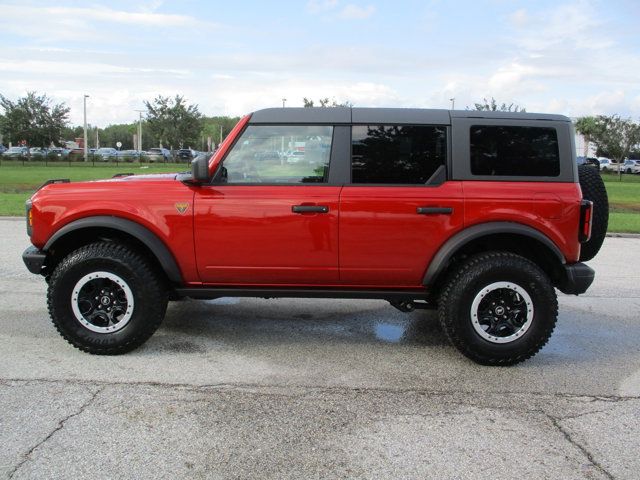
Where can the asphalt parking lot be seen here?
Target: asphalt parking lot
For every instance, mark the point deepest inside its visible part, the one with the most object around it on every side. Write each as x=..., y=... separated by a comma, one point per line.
x=250, y=388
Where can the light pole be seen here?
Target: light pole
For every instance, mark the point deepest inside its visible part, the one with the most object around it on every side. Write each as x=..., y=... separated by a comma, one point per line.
x=140, y=130
x=453, y=103
x=284, y=100
x=85, y=127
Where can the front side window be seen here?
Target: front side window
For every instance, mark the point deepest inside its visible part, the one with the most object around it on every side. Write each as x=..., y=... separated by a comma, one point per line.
x=514, y=151
x=396, y=154
x=280, y=154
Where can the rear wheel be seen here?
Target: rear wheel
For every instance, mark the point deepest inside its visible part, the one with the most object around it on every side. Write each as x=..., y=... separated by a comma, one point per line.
x=593, y=189
x=105, y=298
x=498, y=308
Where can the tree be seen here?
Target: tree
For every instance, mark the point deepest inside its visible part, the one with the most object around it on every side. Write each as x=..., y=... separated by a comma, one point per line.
x=111, y=135
x=588, y=127
x=617, y=135
x=34, y=119
x=173, y=122
x=492, y=106
x=613, y=136
x=325, y=102
x=211, y=127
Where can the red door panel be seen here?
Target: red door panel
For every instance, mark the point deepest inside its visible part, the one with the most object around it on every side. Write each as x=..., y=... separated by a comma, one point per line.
x=249, y=235
x=384, y=241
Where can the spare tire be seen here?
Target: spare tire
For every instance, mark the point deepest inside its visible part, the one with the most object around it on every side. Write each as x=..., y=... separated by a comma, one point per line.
x=593, y=189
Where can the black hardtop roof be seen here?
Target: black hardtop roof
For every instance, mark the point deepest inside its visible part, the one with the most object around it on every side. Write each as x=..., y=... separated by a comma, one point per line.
x=358, y=115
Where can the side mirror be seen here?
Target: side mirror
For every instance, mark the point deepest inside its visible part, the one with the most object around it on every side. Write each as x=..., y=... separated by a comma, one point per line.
x=200, y=169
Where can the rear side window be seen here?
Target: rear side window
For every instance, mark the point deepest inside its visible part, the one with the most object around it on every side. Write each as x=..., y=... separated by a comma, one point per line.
x=514, y=151
x=396, y=154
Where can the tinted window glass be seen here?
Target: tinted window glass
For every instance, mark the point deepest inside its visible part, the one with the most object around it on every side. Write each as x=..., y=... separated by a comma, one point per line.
x=514, y=151
x=396, y=154
x=280, y=154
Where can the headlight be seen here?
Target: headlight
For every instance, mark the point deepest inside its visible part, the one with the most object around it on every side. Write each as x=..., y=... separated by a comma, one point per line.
x=28, y=206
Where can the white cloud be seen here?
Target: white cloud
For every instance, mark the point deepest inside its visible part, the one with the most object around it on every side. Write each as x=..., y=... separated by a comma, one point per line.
x=61, y=68
x=519, y=18
x=97, y=13
x=355, y=12
x=320, y=6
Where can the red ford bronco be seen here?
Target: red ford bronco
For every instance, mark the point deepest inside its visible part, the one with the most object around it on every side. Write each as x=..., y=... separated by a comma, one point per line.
x=479, y=215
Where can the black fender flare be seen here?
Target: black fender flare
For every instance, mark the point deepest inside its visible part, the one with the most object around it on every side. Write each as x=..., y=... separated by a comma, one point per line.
x=143, y=234
x=451, y=246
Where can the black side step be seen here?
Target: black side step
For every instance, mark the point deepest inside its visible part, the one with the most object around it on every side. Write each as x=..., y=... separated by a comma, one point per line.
x=212, y=293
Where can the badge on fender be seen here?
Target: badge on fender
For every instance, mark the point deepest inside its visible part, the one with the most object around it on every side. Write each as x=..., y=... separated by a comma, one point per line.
x=182, y=207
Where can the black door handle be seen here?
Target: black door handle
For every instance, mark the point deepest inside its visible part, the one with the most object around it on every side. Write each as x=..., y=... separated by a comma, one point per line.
x=309, y=209
x=434, y=210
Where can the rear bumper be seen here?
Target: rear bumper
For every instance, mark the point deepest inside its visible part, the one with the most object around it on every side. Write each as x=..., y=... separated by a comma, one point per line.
x=34, y=259
x=578, y=277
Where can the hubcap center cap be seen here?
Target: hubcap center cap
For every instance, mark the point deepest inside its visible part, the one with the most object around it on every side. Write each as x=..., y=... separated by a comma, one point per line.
x=105, y=300
x=499, y=310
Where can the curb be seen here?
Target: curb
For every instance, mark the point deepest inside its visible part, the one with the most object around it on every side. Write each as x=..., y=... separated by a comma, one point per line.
x=623, y=235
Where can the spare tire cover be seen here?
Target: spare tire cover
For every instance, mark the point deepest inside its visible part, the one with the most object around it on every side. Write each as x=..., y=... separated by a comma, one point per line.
x=593, y=189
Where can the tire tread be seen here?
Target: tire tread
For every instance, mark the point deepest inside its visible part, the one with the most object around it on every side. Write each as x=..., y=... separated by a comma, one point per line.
x=461, y=277
x=119, y=253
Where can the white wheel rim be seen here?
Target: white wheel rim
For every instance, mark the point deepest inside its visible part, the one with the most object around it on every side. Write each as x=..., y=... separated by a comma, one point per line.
x=110, y=311
x=499, y=322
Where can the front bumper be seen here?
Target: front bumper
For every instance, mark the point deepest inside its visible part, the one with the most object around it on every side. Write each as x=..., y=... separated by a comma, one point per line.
x=34, y=259
x=578, y=277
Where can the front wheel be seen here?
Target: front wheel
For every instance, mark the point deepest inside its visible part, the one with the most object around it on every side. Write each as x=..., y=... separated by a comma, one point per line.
x=498, y=308
x=105, y=298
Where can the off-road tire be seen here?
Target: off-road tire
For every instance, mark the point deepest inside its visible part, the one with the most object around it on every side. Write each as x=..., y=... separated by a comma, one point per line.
x=593, y=189
x=146, y=287
x=469, y=279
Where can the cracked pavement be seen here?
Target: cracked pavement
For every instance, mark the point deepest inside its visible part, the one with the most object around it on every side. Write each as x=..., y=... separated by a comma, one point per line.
x=251, y=388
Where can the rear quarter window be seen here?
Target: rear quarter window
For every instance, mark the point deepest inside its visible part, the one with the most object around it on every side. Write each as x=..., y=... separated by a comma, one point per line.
x=514, y=151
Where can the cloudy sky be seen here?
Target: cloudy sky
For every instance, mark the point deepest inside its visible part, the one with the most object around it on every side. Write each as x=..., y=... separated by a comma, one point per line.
x=573, y=57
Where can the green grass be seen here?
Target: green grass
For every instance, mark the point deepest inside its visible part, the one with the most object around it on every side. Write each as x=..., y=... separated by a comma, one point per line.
x=624, y=222
x=12, y=204
x=623, y=192
x=18, y=182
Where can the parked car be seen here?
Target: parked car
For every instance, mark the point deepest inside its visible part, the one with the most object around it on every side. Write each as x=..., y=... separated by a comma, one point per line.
x=106, y=154
x=186, y=154
x=77, y=155
x=414, y=222
x=591, y=161
x=295, y=156
x=607, y=165
x=56, y=153
x=267, y=155
x=630, y=166
x=130, y=155
x=158, y=155
x=16, y=152
x=37, y=153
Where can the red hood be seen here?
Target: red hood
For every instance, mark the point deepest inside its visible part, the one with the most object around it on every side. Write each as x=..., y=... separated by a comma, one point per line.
x=154, y=177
